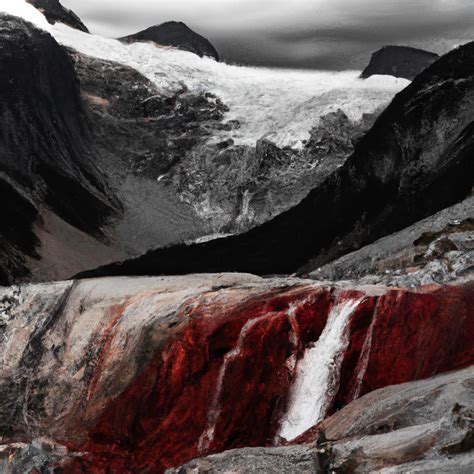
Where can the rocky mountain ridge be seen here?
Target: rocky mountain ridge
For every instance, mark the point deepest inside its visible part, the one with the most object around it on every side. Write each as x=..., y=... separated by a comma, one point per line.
x=399, y=61
x=178, y=35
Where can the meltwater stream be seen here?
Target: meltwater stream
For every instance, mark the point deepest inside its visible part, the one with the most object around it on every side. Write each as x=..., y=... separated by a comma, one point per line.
x=317, y=374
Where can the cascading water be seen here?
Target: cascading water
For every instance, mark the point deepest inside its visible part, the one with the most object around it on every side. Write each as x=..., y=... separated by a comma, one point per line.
x=317, y=374
x=215, y=409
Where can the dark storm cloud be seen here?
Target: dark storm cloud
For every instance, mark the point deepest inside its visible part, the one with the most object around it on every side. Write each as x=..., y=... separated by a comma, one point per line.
x=330, y=34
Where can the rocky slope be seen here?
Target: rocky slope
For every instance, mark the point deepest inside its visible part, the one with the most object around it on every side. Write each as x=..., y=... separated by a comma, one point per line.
x=48, y=171
x=55, y=12
x=178, y=35
x=415, y=161
x=423, y=426
x=174, y=160
x=148, y=373
x=435, y=250
x=399, y=61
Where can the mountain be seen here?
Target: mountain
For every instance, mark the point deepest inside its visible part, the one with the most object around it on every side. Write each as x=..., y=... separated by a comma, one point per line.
x=178, y=161
x=415, y=161
x=55, y=12
x=178, y=35
x=47, y=170
x=399, y=61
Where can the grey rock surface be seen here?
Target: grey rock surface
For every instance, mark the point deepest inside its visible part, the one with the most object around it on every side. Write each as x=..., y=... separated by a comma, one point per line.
x=438, y=249
x=421, y=427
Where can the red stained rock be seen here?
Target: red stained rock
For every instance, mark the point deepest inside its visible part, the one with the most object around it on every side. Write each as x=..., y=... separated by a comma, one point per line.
x=222, y=366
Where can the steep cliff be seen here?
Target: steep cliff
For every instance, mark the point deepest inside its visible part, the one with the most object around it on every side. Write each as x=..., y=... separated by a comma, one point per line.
x=46, y=163
x=178, y=35
x=149, y=373
x=399, y=61
x=415, y=161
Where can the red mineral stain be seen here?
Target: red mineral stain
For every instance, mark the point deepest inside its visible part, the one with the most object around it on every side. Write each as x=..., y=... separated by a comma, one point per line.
x=224, y=379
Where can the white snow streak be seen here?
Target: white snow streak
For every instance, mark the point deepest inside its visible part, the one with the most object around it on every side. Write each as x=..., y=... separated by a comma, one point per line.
x=280, y=104
x=317, y=375
x=26, y=11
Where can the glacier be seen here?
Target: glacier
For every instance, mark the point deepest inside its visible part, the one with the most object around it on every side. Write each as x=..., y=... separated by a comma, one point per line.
x=279, y=104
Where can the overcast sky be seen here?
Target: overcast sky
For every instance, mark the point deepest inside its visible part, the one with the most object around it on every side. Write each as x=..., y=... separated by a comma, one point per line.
x=335, y=34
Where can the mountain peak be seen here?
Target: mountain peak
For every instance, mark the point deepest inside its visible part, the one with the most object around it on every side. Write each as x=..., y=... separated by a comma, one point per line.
x=399, y=61
x=178, y=35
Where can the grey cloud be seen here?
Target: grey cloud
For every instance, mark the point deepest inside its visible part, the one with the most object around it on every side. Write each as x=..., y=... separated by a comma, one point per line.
x=332, y=34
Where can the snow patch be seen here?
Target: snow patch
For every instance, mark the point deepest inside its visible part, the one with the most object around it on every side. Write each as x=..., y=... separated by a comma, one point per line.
x=281, y=104
x=26, y=11
x=317, y=374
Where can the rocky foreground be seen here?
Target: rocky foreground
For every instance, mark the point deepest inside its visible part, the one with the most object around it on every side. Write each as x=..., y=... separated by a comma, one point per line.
x=145, y=374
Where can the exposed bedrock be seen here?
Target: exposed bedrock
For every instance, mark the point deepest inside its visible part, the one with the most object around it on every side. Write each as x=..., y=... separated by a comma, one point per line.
x=423, y=426
x=46, y=163
x=178, y=35
x=168, y=145
x=438, y=249
x=55, y=12
x=144, y=374
x=399, y=61
x=415, y=161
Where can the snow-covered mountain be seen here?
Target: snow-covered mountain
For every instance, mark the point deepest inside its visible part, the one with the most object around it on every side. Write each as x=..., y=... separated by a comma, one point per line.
x=281, y=104
x=192, y=147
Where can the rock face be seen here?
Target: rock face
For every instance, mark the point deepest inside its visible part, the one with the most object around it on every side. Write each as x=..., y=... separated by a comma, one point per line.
x=55, y=12
x=168, y=177
x=47, y=167
x=423, y=426
x=415, y=161
x=140, y=135
x=239, y=187
x=148, y=373
x=438, y=249
x=399, y=61
x=178, y=35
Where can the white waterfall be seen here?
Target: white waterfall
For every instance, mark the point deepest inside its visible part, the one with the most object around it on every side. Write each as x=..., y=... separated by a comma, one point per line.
x=317, y=374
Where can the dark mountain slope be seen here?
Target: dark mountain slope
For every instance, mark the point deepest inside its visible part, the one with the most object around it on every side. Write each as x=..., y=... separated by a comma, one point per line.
x=416, y=160
x=177, y=34
x=44, y=143
x=55, y=12
x=399, y=61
